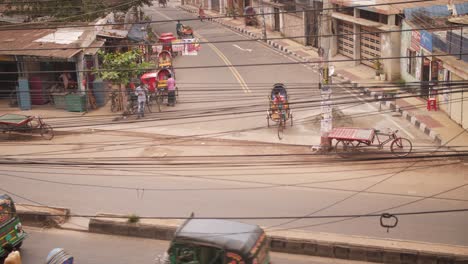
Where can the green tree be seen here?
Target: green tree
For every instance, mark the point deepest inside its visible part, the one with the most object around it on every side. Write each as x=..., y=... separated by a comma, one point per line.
x=69, y=10
x=120, y=68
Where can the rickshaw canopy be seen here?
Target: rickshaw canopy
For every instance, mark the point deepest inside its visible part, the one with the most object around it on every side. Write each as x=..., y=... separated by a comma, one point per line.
x=228, y=235
x=281, y=88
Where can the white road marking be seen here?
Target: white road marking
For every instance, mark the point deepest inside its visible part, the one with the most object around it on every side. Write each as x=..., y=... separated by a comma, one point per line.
x=237, y=46
x=233, y=70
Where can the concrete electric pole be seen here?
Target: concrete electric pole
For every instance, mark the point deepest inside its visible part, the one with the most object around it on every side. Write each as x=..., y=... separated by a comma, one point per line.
x=264, y=33
x=325, y=78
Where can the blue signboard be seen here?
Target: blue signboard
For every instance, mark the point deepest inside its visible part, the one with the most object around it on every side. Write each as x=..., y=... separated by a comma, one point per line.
x=426, y=40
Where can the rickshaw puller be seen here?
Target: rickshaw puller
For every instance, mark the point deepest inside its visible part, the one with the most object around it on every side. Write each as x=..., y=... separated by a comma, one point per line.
x=170, y=91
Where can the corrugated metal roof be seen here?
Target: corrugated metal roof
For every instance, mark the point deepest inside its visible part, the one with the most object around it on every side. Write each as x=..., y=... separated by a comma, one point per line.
x=24, y=42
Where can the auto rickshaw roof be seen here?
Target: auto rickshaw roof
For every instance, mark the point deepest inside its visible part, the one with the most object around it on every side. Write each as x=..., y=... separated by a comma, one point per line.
x=229, y=235
x=5, y=199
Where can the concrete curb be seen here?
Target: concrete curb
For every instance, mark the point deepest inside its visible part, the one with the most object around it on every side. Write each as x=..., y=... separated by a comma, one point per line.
x=293, y=245
x=42, y=216
x=407, y=115
x=344, y=80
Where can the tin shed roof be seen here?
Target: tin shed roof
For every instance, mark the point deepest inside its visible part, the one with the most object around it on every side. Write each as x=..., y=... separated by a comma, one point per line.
x=38, y=42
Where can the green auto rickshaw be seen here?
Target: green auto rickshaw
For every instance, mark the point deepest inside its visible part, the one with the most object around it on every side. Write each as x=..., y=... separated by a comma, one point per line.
x=211, y=241
x=11, y=230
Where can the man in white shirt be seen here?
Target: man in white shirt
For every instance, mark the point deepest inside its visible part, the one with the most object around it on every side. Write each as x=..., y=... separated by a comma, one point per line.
x=141, y=91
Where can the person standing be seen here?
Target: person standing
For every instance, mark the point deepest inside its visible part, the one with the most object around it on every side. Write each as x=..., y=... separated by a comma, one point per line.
x=13, y=256
x=171, y=91
x=140, y=92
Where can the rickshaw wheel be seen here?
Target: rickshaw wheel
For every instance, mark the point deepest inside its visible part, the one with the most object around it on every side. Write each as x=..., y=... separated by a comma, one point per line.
x=47, y=132
x=344, y=148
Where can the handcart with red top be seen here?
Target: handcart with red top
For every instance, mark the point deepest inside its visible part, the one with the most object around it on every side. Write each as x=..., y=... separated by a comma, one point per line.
x=166, y=40
x=11, y=123
x=351, y=139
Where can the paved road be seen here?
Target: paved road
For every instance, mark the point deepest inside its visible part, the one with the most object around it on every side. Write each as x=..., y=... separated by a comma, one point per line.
x=175, y=181
x=88, y=248
x=153, y=176
x=231, y=102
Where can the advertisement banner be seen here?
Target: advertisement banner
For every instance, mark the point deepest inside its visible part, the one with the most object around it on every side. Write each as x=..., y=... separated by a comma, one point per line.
x=426, y=40
x=415, y=40
x=191, y=47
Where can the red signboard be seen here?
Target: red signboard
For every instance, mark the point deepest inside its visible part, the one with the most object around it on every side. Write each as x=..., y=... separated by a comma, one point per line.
x=415, y=40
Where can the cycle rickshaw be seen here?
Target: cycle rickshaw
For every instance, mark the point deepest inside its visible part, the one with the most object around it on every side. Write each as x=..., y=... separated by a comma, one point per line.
x=279, y=110
x=165, y=59
x=158, y=79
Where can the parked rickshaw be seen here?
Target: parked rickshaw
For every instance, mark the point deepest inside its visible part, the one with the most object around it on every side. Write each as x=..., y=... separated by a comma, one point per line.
x=25, y=124
x=165, y=59
x=10, y=225
x=158, y=79
x=250, y=16
x=279, y=110
x=351, y=140
x=205, y=241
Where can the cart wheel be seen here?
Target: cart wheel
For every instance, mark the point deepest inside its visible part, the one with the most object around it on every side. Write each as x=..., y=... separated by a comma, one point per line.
x=344, y=148
x=401, y=147
x=47, y=132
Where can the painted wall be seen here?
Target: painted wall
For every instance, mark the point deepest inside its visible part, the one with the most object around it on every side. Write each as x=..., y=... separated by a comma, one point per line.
x=293, y=26
x=405, y=37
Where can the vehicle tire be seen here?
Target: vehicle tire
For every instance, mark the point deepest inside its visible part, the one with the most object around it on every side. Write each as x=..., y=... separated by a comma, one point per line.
x=401, y=147
x=280, y=130
x=47, y=132
x=344, y=148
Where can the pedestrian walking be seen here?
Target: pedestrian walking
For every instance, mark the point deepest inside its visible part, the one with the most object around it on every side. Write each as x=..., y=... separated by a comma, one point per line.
x=13, y=256
x=171, y=85
x=141, y=92
x=201, y=13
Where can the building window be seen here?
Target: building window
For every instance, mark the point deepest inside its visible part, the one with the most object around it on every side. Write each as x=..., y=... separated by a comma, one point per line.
x=411, y=65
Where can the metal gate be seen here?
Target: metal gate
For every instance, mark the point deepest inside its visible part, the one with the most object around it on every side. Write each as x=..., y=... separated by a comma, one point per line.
x=345, y=42
x=276, y=19
x=370, y=45
x=215, y=5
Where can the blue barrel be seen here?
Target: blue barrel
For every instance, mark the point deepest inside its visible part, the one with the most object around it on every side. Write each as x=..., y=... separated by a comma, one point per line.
x=24, y=96
x=59, y=256
x=99, y=91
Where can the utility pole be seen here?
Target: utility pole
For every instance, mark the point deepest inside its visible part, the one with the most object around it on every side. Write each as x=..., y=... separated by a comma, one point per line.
x=325, y=78
x=264, y=33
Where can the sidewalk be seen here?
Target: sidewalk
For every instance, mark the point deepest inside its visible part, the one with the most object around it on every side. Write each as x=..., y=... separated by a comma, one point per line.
x=436, y=124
